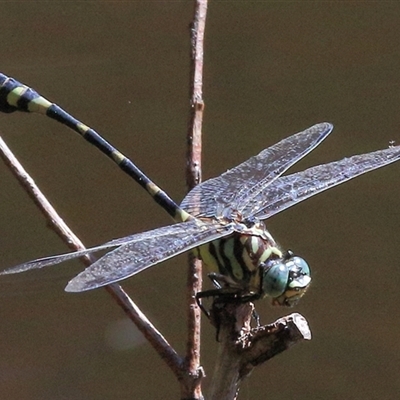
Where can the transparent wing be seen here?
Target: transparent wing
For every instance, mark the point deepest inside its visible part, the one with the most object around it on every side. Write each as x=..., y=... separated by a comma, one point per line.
x=60, y=258
x=178, y=231
x=143, y=252
x=291, y=189
x=234, y=189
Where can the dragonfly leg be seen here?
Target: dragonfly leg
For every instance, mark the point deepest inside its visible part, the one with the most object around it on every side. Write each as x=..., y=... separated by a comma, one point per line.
x=222, y=282
x=201, y=306
x=219, y=295
x=221, y=298
x=256, y=317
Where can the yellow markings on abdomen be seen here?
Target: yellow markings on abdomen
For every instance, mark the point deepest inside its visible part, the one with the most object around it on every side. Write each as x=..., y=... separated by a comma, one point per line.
x=39, y=105
x=152, y=188
x=82, y=128
x=117, y=157
x=182, y=215
x=15, y=95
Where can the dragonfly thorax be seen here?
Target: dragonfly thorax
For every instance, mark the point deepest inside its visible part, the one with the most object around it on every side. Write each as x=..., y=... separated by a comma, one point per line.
x=238, y=257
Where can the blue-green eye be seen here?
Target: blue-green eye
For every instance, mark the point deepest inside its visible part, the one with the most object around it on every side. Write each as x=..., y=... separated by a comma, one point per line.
x=298, y=267
x=286, y=279
x=275, y=280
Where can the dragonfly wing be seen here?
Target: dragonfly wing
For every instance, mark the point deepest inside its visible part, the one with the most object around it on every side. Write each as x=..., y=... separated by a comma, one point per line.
x=144, y=252
x=57, y=259
x=236, y=187
x=60, y=258
x=291, y=189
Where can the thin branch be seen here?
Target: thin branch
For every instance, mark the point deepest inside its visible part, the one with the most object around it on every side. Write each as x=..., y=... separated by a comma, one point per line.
x=193, y=177
x=57, y=224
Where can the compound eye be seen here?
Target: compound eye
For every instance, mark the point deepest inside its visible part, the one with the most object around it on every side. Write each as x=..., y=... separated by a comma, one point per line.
x=298, y=279
x=275, y=279
x=298, y=266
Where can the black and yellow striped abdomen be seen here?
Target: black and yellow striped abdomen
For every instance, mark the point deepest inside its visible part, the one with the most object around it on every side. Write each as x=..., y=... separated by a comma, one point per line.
x=15, y=96
x=238, y=258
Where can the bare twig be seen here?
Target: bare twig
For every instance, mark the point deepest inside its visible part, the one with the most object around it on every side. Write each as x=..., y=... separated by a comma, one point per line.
x=56, y=223
x=193, y=177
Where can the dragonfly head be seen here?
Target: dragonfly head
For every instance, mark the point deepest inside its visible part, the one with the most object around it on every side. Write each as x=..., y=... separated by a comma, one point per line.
x=286, y=279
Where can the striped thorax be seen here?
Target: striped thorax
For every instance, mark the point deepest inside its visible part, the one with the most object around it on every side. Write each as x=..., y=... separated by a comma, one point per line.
x=250, y=263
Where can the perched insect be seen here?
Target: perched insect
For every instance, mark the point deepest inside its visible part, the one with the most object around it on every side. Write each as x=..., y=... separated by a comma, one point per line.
x=221, y=217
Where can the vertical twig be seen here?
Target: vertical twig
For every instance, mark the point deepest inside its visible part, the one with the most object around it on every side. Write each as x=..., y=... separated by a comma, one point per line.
x=193, y=177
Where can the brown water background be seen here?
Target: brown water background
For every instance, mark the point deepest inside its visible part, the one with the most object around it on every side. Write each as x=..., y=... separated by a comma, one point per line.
x=271, y=69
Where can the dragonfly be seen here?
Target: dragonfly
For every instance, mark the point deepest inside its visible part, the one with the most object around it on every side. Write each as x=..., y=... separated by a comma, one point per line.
x=222, y=219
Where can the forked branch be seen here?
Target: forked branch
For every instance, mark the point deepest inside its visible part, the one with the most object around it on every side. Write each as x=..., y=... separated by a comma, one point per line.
x=242, y=348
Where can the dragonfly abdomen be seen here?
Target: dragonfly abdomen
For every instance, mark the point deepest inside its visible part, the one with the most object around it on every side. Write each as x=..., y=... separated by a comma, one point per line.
x=15, y=96
x=238, y=257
